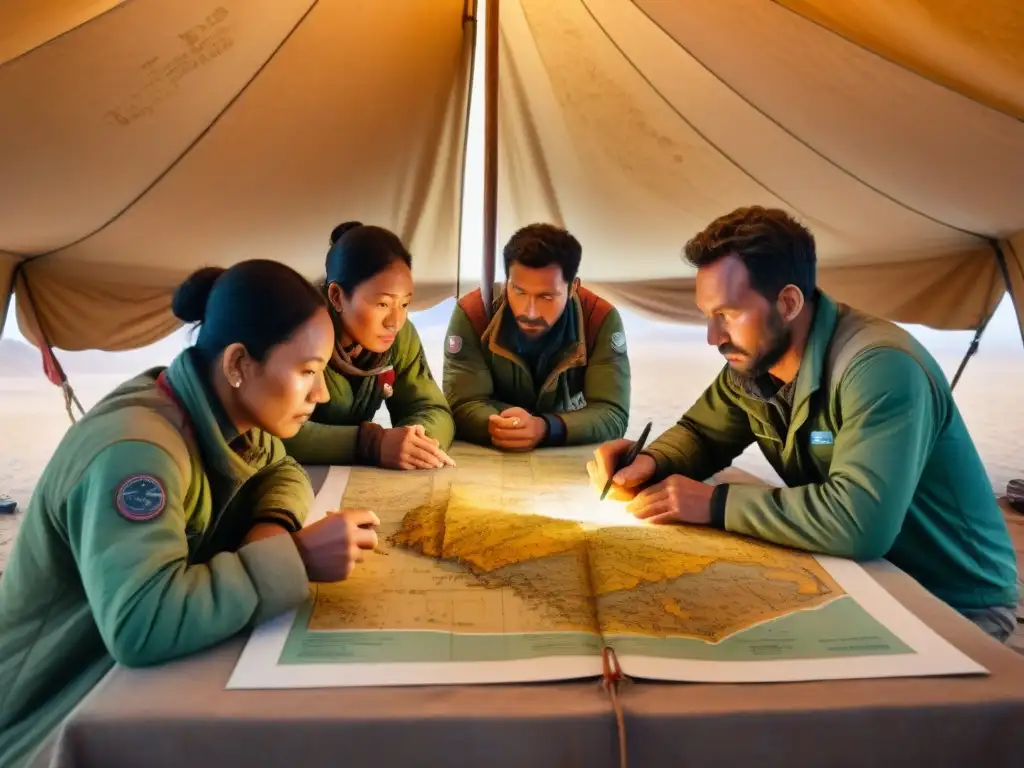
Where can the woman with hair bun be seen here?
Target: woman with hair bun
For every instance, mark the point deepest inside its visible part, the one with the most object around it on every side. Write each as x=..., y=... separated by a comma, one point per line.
x=170, y=517
x=378, y=358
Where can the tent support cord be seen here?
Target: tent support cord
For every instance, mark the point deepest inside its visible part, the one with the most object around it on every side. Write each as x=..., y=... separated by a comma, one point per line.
x=971, y=351
x=975, y=342
x=51, y=365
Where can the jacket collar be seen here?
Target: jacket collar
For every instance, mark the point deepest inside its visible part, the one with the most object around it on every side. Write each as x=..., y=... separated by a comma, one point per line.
x=574, y=344
x=213, y=430
x=356, y=362
x=812, y=362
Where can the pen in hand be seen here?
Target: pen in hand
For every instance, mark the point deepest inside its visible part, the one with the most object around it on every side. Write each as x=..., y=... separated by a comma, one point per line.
x=630, y=457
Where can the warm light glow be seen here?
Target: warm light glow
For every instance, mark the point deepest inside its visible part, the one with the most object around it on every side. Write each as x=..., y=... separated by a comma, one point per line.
x=579, y=503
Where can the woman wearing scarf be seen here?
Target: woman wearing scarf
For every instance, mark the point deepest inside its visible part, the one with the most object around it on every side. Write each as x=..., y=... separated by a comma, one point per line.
x=378, y=358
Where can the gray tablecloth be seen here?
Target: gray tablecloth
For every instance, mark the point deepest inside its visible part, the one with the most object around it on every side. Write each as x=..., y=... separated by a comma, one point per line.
x=181, y=715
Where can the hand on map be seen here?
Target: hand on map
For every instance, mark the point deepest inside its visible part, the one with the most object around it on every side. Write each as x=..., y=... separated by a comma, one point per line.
x=331, y=547
x=516, y=429
x=411, y=448
x=626, y=481
x=676, y=499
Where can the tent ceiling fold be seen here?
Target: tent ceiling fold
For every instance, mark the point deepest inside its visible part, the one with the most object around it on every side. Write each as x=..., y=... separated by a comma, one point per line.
x=142, y=139
x=29, y=24
x=192, y=133
x=974, y=48
x=8, y=262
x=636, y=123
x=1014, y=252
x=918, y=143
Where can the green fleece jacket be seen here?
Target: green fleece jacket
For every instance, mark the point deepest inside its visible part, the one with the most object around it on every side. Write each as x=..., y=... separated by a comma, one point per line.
x=130, y=552
x=579, y=379
x=337, y=431
x=876, y=457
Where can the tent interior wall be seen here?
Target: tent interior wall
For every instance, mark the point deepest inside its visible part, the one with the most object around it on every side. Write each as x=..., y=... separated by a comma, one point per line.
x=145, y=138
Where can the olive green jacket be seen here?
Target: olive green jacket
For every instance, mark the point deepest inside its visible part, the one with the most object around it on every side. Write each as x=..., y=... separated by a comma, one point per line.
x=130, y=551
x=876, y=457
x=584, y=398
x=332, y=435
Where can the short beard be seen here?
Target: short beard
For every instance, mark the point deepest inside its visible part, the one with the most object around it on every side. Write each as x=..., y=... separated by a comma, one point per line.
x=781, y=339
x=538, y=326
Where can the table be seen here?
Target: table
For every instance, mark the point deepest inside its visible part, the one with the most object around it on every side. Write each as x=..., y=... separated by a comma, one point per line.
x=181, y=715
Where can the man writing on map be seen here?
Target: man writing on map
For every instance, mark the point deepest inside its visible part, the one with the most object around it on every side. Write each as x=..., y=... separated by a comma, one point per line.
x=852, y=412
x=547, y=365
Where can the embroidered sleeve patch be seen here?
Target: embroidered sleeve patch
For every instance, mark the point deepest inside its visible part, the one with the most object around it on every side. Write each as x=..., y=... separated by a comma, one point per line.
x=140, y=498
x=454, y=345
x=619, y=342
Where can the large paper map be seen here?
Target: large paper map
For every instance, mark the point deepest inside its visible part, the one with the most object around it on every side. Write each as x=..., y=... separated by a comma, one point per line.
x=509, y=568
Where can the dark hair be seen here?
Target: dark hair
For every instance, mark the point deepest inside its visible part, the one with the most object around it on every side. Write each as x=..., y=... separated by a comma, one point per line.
x=257, y=303
x=774, y=247
x=541, y=245
x=358, y=252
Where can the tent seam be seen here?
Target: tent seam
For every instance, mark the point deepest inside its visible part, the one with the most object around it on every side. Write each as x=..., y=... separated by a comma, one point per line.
x=904, y=67
x=1004, y=268
x=850, y=174
x=8, y=300
x=190, y=146
x=1016, y=258
x=694, y=128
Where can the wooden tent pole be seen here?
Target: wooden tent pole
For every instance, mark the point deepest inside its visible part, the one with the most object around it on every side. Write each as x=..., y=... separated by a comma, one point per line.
x=490, y=151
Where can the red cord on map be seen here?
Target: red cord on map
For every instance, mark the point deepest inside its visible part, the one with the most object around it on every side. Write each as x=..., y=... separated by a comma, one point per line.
x=610, y=680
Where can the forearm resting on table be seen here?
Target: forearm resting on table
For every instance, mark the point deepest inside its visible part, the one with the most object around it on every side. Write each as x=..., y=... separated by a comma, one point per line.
x=264, y=531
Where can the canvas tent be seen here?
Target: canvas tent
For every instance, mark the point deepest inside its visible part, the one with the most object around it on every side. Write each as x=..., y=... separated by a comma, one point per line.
x=143, y=138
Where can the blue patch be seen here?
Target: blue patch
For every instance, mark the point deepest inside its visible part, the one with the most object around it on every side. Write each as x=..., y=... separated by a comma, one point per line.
x=140, y=498
x=822, y=438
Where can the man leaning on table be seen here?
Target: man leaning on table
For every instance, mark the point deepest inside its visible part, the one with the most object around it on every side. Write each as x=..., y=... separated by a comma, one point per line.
x=852, y=412
x=547, y=366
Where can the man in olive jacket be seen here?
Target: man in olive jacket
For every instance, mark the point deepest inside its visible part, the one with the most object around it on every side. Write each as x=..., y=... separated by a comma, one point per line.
x=852, y=412
x=547, y=365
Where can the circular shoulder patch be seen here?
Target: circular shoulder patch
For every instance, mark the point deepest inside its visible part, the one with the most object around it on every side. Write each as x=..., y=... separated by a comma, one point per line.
x=140, y=498
x=454, y=344
x=619, y=341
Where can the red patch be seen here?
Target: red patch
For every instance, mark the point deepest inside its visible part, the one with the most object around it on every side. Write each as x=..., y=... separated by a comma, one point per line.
x=140, y=498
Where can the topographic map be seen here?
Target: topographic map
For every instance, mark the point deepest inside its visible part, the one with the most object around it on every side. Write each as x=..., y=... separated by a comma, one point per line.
x=507, y=568
x=509, y=544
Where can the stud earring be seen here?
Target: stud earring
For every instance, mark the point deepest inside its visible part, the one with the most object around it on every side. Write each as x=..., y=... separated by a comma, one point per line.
x=236, y=383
